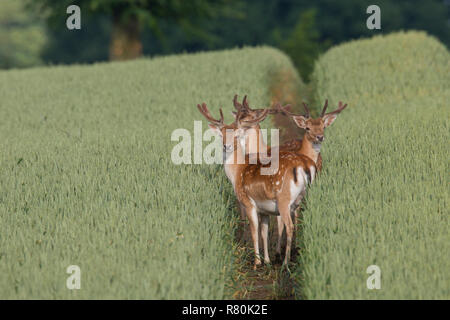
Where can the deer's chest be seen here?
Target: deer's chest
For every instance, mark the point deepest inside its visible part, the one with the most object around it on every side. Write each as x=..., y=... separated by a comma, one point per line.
x=267, y=206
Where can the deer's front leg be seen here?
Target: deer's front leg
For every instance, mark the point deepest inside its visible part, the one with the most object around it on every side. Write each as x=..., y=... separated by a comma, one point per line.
x=280, y=228
x=252, y=216
x=265, y=234
x=285, y=213
x=241, y=224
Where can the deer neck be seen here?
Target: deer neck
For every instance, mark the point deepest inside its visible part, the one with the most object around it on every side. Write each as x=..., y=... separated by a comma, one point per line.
x=234, y=163
x=310, y=149
x=255, y=142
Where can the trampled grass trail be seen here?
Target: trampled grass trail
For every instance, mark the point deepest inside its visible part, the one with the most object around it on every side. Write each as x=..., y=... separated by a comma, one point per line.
x=86, y=177
x=383, y=196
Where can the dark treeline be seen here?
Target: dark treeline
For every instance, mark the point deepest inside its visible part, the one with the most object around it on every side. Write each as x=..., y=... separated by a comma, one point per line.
x=302, y=28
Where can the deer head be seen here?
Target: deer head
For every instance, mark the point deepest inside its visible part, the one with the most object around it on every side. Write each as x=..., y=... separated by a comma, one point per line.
x=234, y=133
x=314, y=126
x=228, y=133
x=250, y=118
x=247, y=113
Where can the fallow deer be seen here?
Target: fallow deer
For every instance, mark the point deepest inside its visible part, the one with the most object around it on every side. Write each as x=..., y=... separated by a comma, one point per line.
x=312, y=140
x=310, y=144
x=254, y=143
x=255, y=147
x=258, y=194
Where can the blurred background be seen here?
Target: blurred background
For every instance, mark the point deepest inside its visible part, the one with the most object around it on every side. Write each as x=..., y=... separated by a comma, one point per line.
x=34, y=32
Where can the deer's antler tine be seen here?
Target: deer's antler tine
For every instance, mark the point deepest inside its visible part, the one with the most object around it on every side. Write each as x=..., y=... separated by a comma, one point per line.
x=236, y=104
x=199, y=108
x=238, y=117
x=285, y=110
x=245, y=104
x=221, y=116
x=339, y=109
x=324, y=108
x=262, y=116
x=204, y=110
x=258, y=119
x=307, y=114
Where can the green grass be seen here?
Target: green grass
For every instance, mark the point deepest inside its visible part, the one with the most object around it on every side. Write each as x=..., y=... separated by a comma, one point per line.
x=383, y=196
x=86, y=177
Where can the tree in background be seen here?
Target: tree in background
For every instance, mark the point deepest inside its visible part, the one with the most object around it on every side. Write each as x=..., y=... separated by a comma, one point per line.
x=303, y=45
x=343, y=20
x=22, y=36
x=129, y=17
x=174, y=26
x=88, y=45
x=304, y=28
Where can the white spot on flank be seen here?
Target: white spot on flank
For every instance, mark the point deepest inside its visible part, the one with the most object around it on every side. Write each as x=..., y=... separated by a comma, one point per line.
x=296, y=189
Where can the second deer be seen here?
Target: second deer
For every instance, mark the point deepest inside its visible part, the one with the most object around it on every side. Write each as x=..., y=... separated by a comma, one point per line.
x=309, y=146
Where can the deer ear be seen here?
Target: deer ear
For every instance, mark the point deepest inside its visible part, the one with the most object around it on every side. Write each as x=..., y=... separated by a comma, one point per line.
x=300, y=121
x=234, y=113
x=329, y=119
x=215, y=129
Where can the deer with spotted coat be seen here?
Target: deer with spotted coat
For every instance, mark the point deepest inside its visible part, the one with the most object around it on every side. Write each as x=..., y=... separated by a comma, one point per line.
x=314, y=128
x=310, y=145
x=261, y=195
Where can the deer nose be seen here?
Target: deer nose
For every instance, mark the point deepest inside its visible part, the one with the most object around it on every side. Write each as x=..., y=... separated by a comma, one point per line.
x=320, y=138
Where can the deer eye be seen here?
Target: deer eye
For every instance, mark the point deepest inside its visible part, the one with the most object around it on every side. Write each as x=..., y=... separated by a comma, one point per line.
x=307, y=128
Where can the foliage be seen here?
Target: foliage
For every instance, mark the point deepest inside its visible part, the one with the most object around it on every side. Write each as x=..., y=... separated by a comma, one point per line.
x=251, y=22
x=87, y=45
x=302, y=45
x=22, y=36
x=86, y=177
x=126, y=13
x=146, y=10
x=383, y=196
x=340, y=21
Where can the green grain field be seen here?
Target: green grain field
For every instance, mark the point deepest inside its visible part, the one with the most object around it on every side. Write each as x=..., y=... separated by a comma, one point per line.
x=86, y=177
x=383, y=197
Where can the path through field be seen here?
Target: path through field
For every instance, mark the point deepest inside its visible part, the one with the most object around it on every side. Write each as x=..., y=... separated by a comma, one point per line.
x=272, y=282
